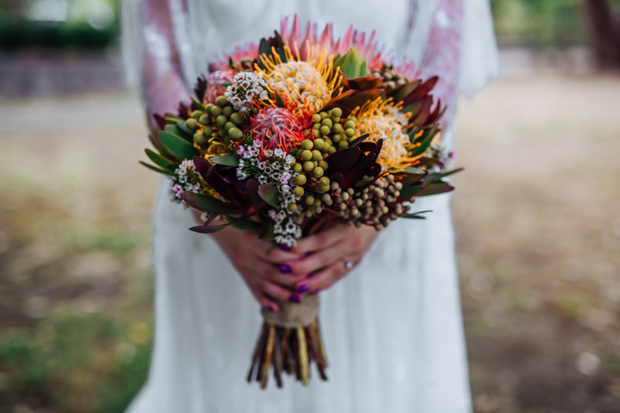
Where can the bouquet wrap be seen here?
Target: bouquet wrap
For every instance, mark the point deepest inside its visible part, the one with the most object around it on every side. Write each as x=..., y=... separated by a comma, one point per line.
x=293, y=136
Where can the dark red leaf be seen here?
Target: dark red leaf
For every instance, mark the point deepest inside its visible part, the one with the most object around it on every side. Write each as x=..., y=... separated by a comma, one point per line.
x=342, y=160
x=365, y=83
x=357, y=171
x=252, y=187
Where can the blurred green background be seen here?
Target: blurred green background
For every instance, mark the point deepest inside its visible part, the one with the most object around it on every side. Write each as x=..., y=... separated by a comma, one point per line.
x=536, y=217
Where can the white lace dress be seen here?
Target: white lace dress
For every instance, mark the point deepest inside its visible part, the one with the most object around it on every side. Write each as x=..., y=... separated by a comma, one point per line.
x=392, y=328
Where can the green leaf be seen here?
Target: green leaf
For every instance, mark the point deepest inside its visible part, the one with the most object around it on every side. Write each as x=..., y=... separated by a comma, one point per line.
x=279, y=101
x=363, y=71
x=156, y=169
x=206, y=203
x=177, y=146
x=226, y=160
x=416, y=215
x=426, y=143
x=434, y=189
x=208, y=229
x=266, y=231
x=185, y=129
x=247, y=225
x=410, y=191
x=199, y=105
x=414, y=171
x=174, y=130
x=269, y=193
x=157, y=159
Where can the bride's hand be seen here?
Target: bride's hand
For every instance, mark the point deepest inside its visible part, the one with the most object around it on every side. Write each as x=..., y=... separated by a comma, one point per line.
x=259, y=263
x=329, y=251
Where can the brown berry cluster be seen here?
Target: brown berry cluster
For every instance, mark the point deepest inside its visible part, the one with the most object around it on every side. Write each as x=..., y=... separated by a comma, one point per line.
x=219, y=120
x=330, y=126
x=374, y=205
x=390, y=79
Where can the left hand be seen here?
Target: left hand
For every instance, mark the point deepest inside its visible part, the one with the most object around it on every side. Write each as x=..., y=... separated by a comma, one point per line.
x=328, y=252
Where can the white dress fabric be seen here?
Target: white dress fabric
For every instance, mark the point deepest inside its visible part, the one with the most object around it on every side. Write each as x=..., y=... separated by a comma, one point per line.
x=392, y=328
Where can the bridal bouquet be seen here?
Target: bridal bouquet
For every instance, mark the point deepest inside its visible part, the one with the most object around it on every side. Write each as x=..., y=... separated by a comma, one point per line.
x=292, y=136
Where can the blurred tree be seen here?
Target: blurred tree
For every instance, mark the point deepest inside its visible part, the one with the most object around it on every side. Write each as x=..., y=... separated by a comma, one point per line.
x=604, y=25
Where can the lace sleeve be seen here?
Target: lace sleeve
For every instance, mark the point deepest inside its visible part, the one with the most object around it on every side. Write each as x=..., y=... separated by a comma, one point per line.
x=151, y=57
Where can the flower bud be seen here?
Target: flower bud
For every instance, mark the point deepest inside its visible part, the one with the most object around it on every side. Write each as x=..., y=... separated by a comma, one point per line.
x=337, y=112
x=236, y=118
x=208, y=131
x=308, y=166
x=307, y=144
x=298, y=191
x=324, y=181
x=349, y=132
x=292, y=207
x=208, y=108
x=197, y=114
x=300, y=179
x=199, y=138
x=227, y=111
x=221, y=121
x=323, y=115
x=316, y=156
x=216, y=111
x=323, y=165
x=316, y=118
x=204, y=120
x=235, y=133
x=327, y=122
x=191, y=124
x=337, y=128
x=309, y=200
x=336, y=138
x=318, y=144
x=343, y=144
x=306, y=155
x=332, y=150
x=318, y=172
x=221, y=101
x=324, y=130
x=229, y=125
x=297, y=167
x=349, y=124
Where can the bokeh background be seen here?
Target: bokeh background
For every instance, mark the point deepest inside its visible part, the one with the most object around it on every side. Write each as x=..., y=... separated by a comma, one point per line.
x=536, y=212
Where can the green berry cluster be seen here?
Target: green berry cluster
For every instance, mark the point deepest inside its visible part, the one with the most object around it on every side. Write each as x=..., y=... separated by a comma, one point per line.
x=329, y=126
x=219, y=120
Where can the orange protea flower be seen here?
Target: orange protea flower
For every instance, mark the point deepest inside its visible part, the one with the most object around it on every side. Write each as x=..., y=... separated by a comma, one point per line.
x=383, y=120
x=276, y=128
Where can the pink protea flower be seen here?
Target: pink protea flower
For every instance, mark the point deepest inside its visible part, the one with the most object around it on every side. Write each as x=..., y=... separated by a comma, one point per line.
x=368, y=47
x=366, y=44
x=276, y=128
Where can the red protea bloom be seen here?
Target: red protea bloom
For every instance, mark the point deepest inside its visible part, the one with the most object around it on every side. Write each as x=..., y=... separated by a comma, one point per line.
x=276, y=128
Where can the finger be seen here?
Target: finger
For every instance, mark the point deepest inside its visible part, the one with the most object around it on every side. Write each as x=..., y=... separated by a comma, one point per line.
x=266, y=270
x=316, y=261
x=323, y=279
x=276, y=291
x=319, y=241
x=286, y=280
x=265, y=301
x=278, y=255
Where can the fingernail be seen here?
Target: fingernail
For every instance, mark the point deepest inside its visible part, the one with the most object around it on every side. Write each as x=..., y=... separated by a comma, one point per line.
x=309, y=275
x=272, y=309
x=305, y=254
x=303, y=288
x=295, y=298
x=314, y=292
x=286, y=269
x=285, y=247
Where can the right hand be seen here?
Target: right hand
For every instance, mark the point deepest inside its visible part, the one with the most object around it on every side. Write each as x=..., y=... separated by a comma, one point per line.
x=259, y=263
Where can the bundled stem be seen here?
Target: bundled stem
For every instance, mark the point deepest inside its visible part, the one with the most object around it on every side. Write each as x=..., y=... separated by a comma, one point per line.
x=290, y=350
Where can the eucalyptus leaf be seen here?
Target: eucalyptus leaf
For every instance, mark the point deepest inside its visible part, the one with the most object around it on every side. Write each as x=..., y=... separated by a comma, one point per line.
x=269, y=193
x=177, y=146
x=206, y=203
x=156, y=169
x=226, y=160
x=247, y=225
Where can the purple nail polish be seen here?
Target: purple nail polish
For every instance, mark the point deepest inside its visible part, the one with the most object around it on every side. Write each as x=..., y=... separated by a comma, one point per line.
x=295, y=298
x=303, y=288
x=314, y=292
x=286, y=269
x=305, y=254
x=272, y=309
x=285, y=247
x=310, y=274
